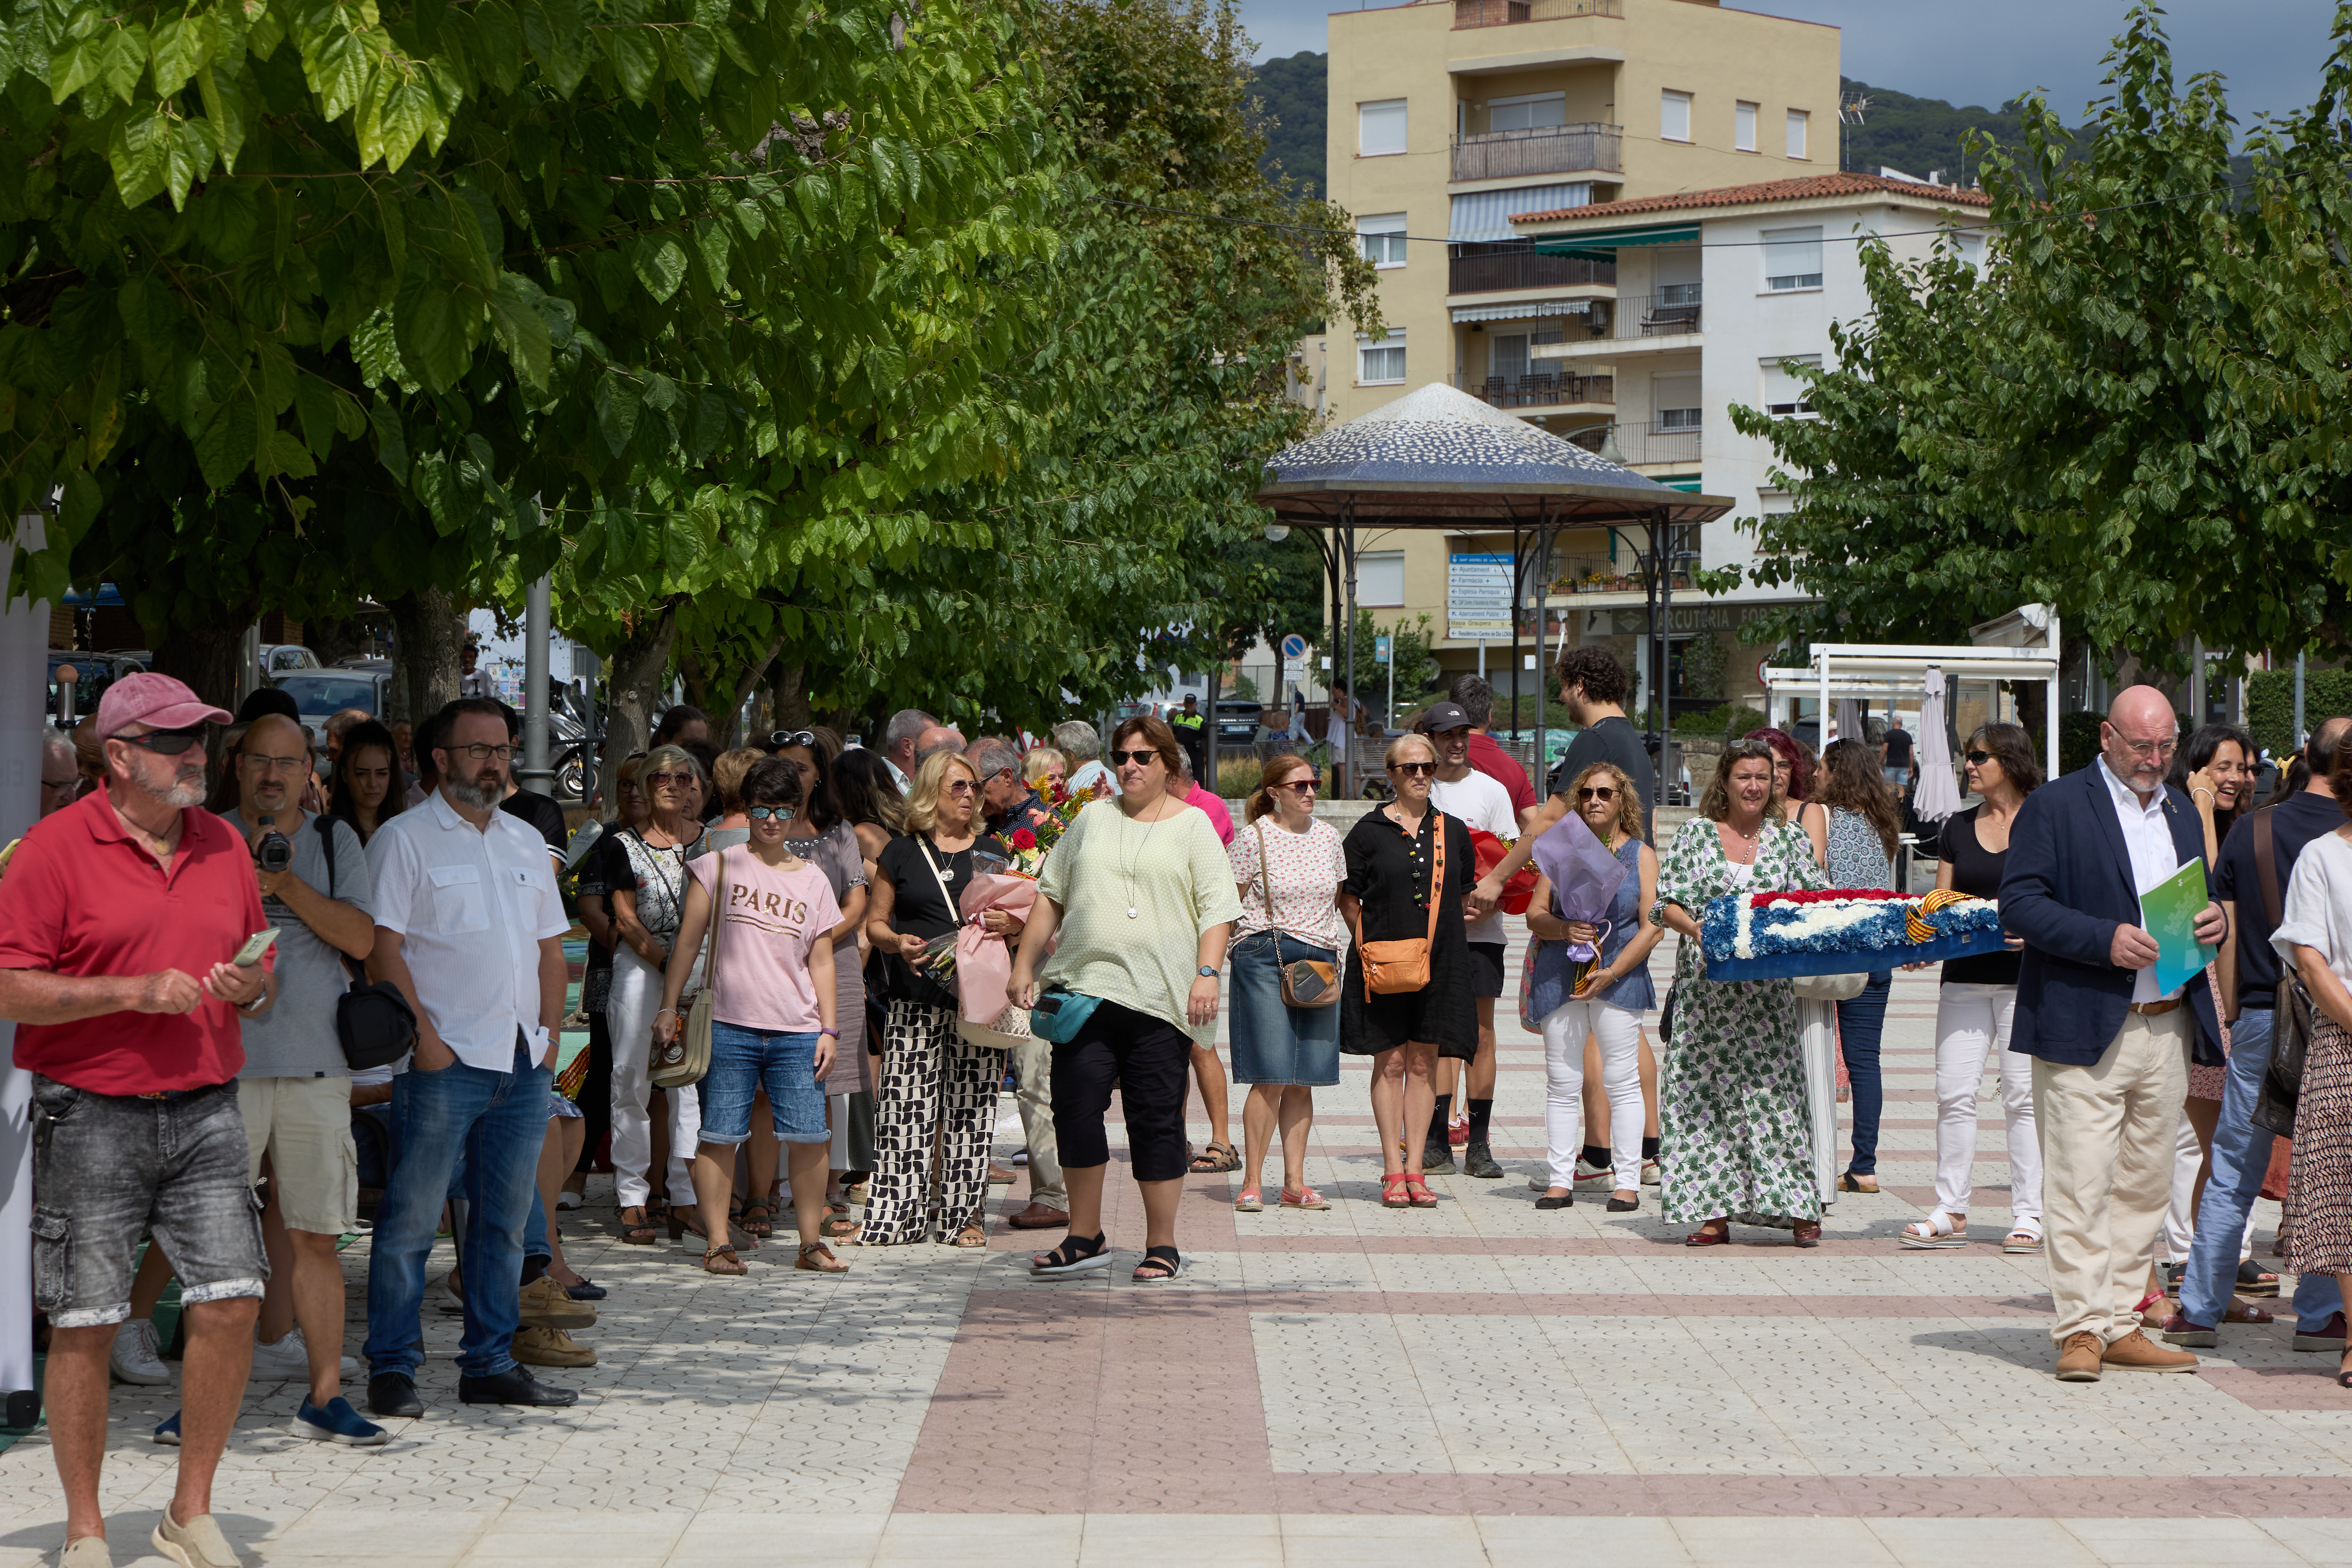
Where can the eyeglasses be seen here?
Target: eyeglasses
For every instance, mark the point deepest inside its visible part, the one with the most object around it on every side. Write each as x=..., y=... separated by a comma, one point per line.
x=164, y=742
x=1121, y=758
x=1304, y=786
x=2152, y=747
x=784, y=737
x=1412, y=767
x=1599, y=792
x=269, y=764
x=662, y=780
x=481, y=753
x=1979, y=759
x=960, y=786
x=770, y=813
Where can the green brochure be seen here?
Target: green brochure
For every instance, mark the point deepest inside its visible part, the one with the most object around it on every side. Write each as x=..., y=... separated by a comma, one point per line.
x=2168, y=912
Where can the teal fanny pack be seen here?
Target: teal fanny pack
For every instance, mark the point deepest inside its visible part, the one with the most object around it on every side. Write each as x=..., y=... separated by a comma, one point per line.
x=1060, y=1014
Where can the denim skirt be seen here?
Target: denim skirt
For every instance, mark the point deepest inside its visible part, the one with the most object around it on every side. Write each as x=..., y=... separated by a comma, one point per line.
x=745, y=1061
x=1273, y=1042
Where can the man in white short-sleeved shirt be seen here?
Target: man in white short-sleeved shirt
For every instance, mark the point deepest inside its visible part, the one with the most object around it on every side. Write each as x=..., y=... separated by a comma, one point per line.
x=1483, y=804
x=470, y=926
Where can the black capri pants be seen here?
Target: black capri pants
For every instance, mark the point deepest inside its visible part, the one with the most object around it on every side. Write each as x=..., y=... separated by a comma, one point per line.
x=1150, y=1062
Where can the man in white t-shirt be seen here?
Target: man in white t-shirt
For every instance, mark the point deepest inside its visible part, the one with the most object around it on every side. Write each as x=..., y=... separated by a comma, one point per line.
x=1482, y=803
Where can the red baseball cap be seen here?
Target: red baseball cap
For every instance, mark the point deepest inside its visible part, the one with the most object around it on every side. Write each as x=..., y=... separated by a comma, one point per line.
x=157, y=701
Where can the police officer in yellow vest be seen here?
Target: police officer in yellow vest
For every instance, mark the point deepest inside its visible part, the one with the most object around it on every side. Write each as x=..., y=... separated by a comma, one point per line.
x=1192, y=732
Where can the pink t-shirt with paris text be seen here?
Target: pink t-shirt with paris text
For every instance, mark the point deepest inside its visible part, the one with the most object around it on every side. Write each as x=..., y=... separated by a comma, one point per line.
x=769, y=918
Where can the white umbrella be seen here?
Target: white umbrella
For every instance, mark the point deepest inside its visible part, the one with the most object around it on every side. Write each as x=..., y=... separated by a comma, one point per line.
x=1849, y=720
x=1939, y=795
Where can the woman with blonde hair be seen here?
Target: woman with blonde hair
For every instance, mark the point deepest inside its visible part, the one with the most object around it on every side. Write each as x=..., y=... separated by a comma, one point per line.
x=936, y=1089
x=1045, y=770
x=1604, y=997
x=1288, y=868
x=731, y=828
x=1406, y=860
x=644, y=879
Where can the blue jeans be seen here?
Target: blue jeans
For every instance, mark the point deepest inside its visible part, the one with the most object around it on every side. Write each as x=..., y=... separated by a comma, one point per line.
x=496, y=1121
x=1862, y=1020
x=1275, y=1042
x=2242, y=1152
x=745, y=1061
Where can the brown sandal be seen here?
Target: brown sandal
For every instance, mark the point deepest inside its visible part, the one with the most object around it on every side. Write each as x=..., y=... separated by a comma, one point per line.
x=721, y=1259
x=831, y=1264
x=969, y=1237
x=637, y=1228
x=755, y=1221
x=840, y=1227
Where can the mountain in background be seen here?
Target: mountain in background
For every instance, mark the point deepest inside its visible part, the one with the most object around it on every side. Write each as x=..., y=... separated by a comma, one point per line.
x=1292, y=93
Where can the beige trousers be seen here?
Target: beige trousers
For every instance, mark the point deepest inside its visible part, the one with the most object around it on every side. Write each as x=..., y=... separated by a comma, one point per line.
x=1033, y=1070
x=2107, y=1132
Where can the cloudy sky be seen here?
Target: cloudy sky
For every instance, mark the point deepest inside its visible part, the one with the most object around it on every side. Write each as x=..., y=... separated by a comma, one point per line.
x=1990, y=50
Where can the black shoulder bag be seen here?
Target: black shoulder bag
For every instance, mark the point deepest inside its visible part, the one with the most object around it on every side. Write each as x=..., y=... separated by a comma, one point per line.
x=373, y=1021
x=2291, y=1011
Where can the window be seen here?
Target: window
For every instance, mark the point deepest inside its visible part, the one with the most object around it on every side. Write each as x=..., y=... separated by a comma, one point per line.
x=1675, y=400
x=1381, y=239
x=1792, y=259
x=1379, y=578
x=1797, y=121
x=1673, y=116
x=1787, y=393
x=1678, y=294
x=1380, y=362
x=1506, y=354
x=1743, y=128
x=1971, y=248
x=1379, y=128
x=1532, y=111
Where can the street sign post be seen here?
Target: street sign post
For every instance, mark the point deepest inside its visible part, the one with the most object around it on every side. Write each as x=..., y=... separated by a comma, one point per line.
x=1479, y=596
x=1383, y=653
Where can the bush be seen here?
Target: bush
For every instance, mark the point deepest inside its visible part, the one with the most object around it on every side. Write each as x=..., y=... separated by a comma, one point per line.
x=1722, y=721
x=2078, y=740
x=1238, y=777
x=2270, y=704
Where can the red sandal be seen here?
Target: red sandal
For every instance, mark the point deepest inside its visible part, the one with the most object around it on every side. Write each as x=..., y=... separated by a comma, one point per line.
x=1394, y=1193
x=1708, y=1236
x=1418, y=1191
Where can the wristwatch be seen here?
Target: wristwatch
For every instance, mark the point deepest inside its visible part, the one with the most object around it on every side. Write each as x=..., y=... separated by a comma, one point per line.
x=1206, y=972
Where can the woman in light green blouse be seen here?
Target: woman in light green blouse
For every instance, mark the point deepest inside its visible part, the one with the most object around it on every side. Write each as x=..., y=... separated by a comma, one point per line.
x=1143, y=899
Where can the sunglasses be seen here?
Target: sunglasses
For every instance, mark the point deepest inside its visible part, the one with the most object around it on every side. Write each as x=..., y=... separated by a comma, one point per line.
x=960, y=786
x=1979, y=759
x=1412, y=767
x=1600, y=793
x=1304, y=786
x=784, y=737
x=164, y=742
x=770, y=813
x=1121, y=758
x=663, y=780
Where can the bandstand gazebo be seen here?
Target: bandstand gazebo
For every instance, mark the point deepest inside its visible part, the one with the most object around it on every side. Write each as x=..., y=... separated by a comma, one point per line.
x=1439, y=460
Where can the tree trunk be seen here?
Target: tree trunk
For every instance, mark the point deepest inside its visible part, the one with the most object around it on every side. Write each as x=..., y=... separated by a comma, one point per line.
x=210, y=661
x=428, y=632
x=335, y=638
x=632, y=687
x=1208, y=728
x=2032, y=703
x=790, y=689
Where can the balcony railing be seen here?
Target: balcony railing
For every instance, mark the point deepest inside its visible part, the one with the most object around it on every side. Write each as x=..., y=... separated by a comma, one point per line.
x=1643, y=443
x=1669, y=313
x=1503, y=12
x=1543, y=150
x=1544, y=391
x=1479, y=269
x=1598, y=574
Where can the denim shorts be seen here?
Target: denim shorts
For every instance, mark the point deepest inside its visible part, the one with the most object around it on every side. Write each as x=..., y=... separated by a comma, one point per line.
x=745, y=1061
x=107, y=1168
x=1275, y=1042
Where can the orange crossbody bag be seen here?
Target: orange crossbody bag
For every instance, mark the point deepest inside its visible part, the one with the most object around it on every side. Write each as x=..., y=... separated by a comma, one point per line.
x=1402, y=965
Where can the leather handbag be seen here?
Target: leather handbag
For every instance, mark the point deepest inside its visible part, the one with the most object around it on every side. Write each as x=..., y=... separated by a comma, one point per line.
x=2291, y=1008
x=687, y=1058
x=373, y=1022
x=1310, y=982
x=1402, y=964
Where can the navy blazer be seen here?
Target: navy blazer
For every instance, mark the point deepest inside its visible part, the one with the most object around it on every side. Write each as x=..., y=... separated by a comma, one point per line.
x=2067, y=886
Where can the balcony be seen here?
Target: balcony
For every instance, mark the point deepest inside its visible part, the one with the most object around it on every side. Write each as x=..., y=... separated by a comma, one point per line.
x=1644, y=443
x=1545, y=390
x=1484, y=269
x=1504, y=13
x=1598, y=574
x=1668, y=321
x=1542, y=150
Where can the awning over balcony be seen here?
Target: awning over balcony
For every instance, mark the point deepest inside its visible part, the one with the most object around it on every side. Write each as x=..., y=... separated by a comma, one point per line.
x=1483, y=217
x=1602, y=245
x=1520, y=311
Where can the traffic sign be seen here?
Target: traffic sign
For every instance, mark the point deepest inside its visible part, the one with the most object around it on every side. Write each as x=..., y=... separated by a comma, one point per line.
x=1380, y=646
x=1294, y=646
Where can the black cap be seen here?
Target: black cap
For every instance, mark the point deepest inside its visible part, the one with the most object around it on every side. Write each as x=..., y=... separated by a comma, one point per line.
x=1440, y=716
x=265, y=700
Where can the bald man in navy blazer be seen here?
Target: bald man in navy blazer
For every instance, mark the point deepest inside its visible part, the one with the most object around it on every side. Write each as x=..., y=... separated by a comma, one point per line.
x=2110, y=1053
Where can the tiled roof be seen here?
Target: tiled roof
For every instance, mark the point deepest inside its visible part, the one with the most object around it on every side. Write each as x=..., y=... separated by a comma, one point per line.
x=1813, y=186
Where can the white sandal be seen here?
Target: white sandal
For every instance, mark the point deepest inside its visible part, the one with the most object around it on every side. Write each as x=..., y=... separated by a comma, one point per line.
x=1935, y=1231
x=2031, y=1229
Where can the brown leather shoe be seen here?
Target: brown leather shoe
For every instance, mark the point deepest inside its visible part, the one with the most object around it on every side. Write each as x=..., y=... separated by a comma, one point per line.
x=2078, y=1359
x=2137, y=1353
x=1038, y=1216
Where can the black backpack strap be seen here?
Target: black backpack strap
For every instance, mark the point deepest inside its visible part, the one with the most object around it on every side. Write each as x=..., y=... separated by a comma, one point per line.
x=2266, y=866
x=326, y=826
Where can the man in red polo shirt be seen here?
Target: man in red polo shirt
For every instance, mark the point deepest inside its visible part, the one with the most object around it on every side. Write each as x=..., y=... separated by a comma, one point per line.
x=1478, y=700
x=120, y=918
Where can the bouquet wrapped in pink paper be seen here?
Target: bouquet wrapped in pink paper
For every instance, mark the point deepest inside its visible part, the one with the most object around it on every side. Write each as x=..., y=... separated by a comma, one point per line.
x=982, y=963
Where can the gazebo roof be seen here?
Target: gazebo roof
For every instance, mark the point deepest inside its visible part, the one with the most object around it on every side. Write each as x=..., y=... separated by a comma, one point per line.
x=1439, y=458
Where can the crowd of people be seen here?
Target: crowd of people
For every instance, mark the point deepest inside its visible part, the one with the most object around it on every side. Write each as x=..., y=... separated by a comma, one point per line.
x=813, y=968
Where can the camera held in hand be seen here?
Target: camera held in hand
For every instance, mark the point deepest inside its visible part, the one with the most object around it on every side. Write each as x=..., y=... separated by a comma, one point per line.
x=274, y=852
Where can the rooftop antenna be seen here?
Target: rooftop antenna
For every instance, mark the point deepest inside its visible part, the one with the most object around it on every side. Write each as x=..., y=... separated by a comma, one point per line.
x=1852, y=105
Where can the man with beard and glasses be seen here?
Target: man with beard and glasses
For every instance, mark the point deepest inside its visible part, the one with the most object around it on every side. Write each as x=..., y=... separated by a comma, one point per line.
x=470, y=926
x=120, y=920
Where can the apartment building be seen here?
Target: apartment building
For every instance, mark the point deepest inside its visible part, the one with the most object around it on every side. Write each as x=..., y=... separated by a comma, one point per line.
x=1451, y=117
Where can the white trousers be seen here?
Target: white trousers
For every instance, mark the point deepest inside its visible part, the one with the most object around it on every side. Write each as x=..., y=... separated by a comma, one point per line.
x=1619, y=1031
x=1971, y=1022
x=636, y=997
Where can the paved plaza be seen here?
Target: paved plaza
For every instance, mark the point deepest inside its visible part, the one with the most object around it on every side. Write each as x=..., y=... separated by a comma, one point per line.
x=1479, y=1383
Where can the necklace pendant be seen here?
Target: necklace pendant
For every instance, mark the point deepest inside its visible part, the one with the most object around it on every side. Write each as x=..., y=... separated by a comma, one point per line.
x=1131, y=914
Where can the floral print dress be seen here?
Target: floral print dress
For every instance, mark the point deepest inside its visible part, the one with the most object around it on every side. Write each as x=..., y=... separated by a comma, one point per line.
x=1735, y=1132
